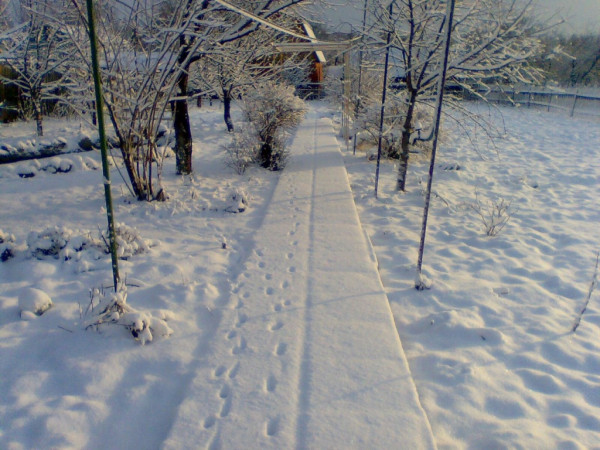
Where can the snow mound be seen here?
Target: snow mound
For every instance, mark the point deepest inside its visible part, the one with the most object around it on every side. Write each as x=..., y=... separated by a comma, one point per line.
x=114, y=310
x=79, y=247
x=238, y=201
x=33, y=302
x=54, y=165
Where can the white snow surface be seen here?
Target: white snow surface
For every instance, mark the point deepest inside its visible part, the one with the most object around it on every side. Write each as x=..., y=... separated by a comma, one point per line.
x=283, y=332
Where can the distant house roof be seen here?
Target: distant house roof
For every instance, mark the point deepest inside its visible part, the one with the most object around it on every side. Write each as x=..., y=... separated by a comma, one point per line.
x=308, y=30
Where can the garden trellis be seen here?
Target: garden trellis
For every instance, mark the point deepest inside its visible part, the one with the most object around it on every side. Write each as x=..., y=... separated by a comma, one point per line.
x=344, y=47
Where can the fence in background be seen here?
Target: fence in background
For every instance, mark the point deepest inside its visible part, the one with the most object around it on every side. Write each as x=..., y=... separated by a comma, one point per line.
x=575, y=102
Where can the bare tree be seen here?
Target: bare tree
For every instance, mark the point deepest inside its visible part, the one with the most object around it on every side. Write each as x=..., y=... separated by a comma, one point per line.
x=493, y=42
x=35, y=52
x=139, y=71
x=571, y=60
x=204, y=26
x=243, y=64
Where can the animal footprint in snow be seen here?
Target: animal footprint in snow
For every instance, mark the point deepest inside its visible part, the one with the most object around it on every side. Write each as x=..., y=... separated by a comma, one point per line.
x=225, y=408
x=280, y=349
x=271, y=383
x=276, y=326
x=234, y=371
x=272, y=426
x=219, y=371
x=209, y=421
x=224, y=392
x=242, y=318
x=240, y=347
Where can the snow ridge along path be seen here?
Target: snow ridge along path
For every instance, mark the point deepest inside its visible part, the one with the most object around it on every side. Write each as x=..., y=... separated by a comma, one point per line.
x=317, y=349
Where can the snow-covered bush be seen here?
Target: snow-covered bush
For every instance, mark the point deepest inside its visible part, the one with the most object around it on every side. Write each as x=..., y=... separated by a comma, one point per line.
x=368, y=122
x=129, y=241
x=274, y=111
x=7, y=246
x=65, y=244
x=242, y=151
x=114, y=310
x=52, y=242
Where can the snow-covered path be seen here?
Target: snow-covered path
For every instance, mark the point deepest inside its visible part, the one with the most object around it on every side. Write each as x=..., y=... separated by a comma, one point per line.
x=311, y=358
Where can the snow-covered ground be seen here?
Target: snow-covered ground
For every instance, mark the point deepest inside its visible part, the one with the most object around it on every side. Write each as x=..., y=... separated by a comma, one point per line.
x=489, y=346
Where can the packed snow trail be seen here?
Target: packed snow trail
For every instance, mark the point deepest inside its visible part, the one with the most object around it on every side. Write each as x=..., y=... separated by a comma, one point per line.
x=306, y=354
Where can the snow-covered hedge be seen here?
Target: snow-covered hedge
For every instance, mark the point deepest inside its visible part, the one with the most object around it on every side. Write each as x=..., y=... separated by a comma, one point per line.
x=274, y=111
x=64, y=244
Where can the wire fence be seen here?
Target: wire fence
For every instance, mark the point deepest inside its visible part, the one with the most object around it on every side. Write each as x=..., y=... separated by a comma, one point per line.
x=575, y=102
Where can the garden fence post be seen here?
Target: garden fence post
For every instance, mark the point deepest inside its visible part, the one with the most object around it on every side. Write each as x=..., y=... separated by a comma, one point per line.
x=103, y=146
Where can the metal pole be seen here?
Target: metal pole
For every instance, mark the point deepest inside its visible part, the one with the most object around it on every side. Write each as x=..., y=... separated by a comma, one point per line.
x=103, y=146
x=574, y=104
x=383, y=98
x=347, y=93
x=360, y=69
x=442, y=81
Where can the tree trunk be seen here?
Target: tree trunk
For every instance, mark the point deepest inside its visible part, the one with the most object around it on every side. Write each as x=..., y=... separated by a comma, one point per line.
x=136, y=182
x=38, y=120
x=266, y=153
x=405, y=143
x=183, y=131
x=227, y=110
x=36, y=101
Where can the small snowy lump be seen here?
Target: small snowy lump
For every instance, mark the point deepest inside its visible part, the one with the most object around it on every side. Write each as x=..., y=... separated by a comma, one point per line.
x=34, y=301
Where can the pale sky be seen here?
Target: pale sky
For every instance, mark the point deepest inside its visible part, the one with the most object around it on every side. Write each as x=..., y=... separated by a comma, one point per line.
x=580, y=15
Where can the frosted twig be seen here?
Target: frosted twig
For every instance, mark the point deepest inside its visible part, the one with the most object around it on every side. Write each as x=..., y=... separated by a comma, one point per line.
x=589, y=295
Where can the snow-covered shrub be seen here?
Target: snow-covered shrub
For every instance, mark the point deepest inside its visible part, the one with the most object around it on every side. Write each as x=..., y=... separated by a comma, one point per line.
x=242, y=151
x=494, y=215
x=65, y=244
x=51, y=242
x=368, y=122
x=114, y=310
x=274, y=111
x=129, y=241
x=7, y=246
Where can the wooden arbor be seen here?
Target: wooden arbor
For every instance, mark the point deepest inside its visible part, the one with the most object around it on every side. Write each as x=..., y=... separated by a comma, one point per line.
x=343, y=47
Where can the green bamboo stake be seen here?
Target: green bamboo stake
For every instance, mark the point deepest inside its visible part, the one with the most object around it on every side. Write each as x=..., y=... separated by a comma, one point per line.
x=103, y=147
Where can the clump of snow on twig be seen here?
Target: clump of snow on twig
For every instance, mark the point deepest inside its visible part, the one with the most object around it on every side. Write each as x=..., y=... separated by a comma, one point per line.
x=105, y=310
x=7, y=246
